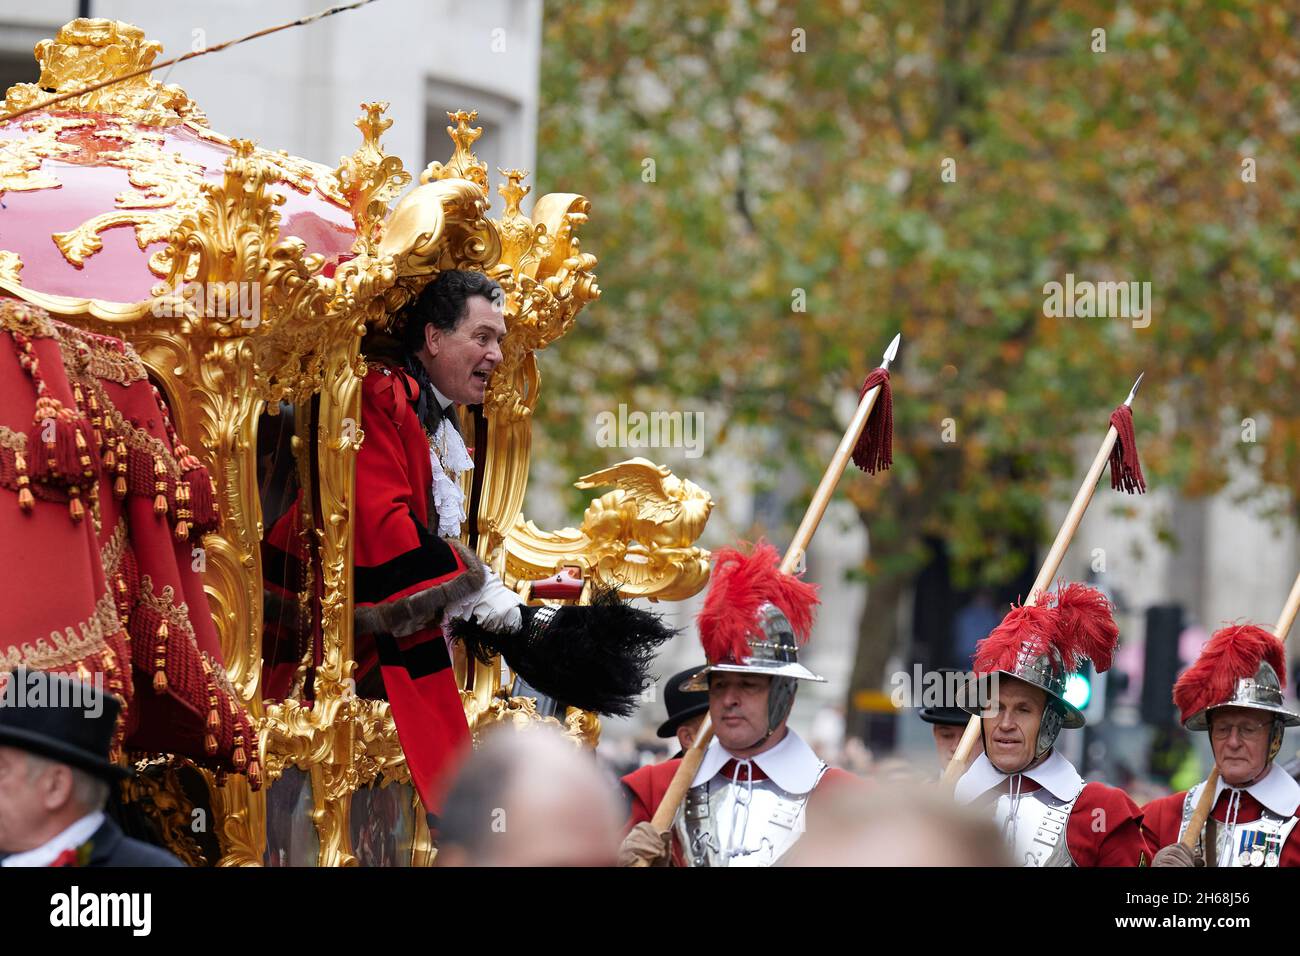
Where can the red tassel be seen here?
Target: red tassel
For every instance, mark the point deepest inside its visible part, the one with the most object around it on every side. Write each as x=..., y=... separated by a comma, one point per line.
x=200, y=495
x=875, y=448
x=1125, y=469
x=60, y=457
x=203, y=506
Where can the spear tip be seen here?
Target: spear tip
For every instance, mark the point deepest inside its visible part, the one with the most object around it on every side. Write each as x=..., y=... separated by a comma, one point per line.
x=892, y=351
x=1134, y=390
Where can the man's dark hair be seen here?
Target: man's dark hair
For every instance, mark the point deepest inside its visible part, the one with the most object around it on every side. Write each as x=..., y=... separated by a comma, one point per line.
x=443, y=303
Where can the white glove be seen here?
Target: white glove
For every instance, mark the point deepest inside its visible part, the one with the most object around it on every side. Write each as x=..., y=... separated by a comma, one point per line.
x=494, y=606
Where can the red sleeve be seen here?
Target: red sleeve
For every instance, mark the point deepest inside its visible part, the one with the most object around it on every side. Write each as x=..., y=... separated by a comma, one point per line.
x=1105, y=829
x=1162, y=818
x=387, y=507
x=646, y=788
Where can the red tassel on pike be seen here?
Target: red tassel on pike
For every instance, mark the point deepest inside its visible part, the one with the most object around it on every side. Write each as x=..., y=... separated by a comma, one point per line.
x=1125, y=469
x=875, y=448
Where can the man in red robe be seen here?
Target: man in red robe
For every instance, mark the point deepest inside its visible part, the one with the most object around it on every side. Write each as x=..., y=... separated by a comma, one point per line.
x=1233, y=692
x=416, y=585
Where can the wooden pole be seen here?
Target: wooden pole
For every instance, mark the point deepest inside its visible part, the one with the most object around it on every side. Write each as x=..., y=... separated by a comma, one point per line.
x=793, y=558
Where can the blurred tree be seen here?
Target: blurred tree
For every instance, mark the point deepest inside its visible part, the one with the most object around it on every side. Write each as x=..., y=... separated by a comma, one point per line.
x=929, y=167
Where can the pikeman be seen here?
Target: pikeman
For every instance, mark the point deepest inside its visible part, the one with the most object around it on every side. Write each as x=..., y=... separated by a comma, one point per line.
x=1233, y=692
x=1048, y=815
x=747, y=790
x=747, y=802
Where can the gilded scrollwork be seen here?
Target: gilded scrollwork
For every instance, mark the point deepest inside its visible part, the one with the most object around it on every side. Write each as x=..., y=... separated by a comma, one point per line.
x=639, y=538
x=157, y=790
x=369, y=180
x=220, y=368
x=88, y=50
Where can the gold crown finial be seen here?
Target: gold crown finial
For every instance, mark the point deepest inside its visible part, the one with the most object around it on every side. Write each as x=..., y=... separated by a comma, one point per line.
x=90, y=50
x=463, y=163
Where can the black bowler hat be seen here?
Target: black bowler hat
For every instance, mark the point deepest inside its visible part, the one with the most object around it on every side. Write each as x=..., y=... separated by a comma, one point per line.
x=682, y=705
x=47, y=714
x=949, y=713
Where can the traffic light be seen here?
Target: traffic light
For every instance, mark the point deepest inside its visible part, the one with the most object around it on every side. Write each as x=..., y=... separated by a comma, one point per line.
x=1161, y=664
x=1078, y=687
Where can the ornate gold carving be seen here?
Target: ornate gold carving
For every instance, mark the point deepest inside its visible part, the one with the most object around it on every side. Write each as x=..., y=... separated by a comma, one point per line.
x=89, y=50
x=369, y=180
x=639, y=537
x=11, y=265
x=21, y=159
x=163, y=799
x=521, y=713
x=463, y=163
x=169, y=190
x=440, y=225
x=242, y=816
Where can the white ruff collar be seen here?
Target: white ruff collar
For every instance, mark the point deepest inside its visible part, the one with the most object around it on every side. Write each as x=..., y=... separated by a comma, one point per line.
x=1276, y=791
x=791, y=764
x=1056, y=775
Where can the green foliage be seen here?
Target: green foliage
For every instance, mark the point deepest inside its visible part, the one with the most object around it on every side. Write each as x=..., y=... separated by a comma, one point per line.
x=779, y=170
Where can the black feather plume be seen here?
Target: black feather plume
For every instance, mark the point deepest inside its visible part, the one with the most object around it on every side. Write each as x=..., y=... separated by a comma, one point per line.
x=596, y=657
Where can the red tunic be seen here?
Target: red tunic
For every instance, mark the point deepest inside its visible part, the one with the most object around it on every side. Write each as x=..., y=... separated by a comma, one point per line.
x=1105, y=828
x=648, y=785
x=1164, y=815
x=405, y=575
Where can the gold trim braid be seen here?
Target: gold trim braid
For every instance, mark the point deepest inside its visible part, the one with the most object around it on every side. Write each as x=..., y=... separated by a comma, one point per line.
x=64, y=650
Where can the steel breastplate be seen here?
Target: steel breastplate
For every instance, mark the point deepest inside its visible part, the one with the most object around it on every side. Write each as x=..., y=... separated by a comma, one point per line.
x=740, y=823
x=1257, y=843
x=1036, y=834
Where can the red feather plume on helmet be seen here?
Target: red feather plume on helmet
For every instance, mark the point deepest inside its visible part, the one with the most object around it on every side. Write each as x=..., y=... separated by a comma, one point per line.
x=1025, y=626
x=1086, y=627
x=1231, y=653
x=1078, y=622
x=739, y=586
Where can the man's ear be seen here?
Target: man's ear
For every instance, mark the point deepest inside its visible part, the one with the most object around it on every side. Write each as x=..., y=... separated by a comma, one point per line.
x=432, y=338
x=56, y=787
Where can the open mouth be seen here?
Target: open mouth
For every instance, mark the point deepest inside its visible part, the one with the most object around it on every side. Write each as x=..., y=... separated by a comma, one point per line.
x=481, y=375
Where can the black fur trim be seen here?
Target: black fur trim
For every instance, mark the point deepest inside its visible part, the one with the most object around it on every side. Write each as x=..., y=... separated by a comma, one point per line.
x=415, y=611
x=595, y=657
